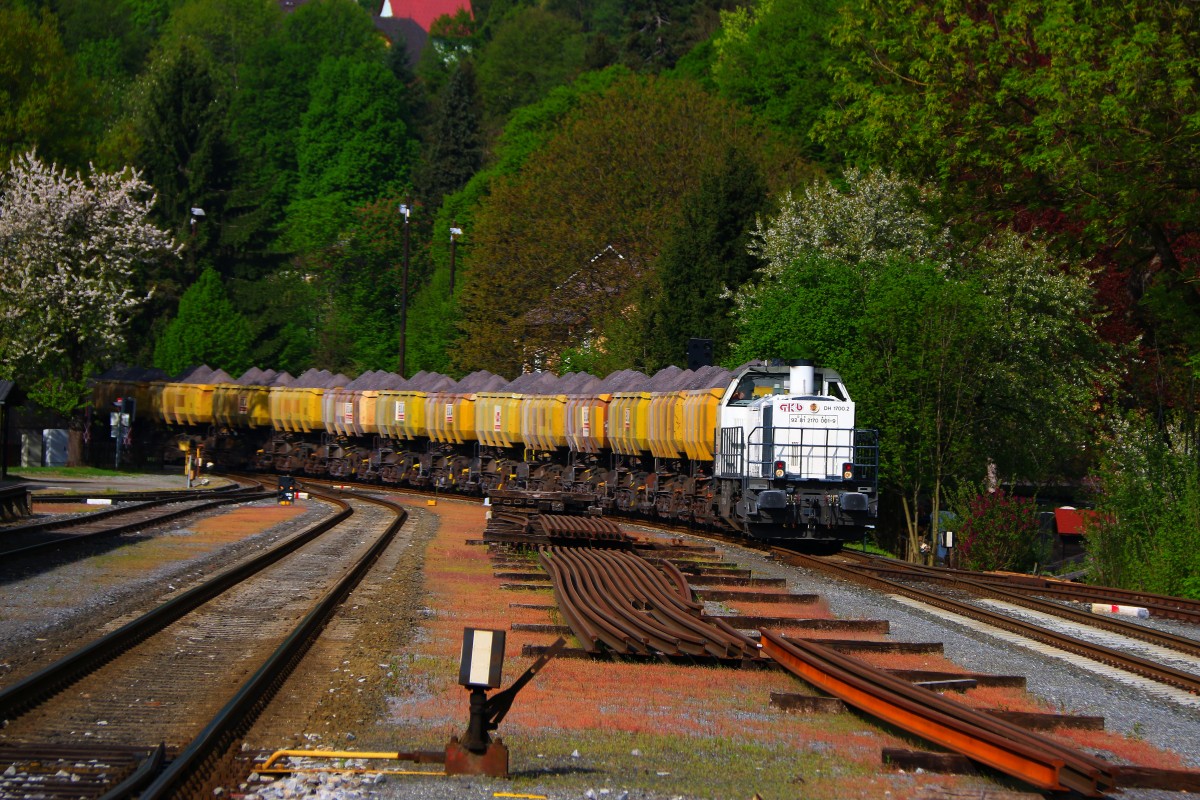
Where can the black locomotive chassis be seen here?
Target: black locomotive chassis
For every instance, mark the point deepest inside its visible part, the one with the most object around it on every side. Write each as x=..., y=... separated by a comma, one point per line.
x=681, y=491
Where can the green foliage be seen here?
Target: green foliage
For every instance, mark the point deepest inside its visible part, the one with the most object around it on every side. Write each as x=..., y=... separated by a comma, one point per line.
x=705, y=258
x=207, y=330
x=44, y=103
x=282, y=311
x=221, y=33
x=938, y=341
x=454, y=151
x=997, y=531
x=773, y=56
x=452, y=38
x=360, y=280
x=352, y=147
x=567, y=238
x=276, y=84
x=530, y=52
x=1146, y=534
x=1084, y=113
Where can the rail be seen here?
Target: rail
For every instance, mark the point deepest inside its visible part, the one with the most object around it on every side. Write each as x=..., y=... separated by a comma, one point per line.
x=28, y=692
x=619, y=600
x=1106, y=655
x=1037, y=760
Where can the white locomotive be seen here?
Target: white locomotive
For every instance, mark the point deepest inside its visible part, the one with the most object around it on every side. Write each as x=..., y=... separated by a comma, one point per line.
x=789, y=462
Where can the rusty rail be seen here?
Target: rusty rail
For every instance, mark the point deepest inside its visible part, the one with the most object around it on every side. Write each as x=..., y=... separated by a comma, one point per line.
x=620, y=601
x=1037, y=760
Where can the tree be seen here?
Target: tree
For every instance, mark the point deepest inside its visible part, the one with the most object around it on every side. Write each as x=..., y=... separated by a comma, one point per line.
x=352, y=148
x=70, y=248
x=44, y=102
x=454, y=151
x=705, y=258
x=609, y=181
x=360, y=279
x=1146, y=532
x=208, y=330
x=531, y=51
x=275, y=85
x=773, y=57
x=937, y=339
x=1035, y=108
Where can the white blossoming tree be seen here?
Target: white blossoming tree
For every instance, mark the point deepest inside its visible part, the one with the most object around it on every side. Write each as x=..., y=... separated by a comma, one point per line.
x=70, y=250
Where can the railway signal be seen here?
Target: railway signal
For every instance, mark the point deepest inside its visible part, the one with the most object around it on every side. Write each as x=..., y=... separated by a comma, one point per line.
x=480, y=665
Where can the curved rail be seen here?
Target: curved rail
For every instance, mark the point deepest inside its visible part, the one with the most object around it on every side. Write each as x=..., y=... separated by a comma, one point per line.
x=619, y=599
x=189, y=768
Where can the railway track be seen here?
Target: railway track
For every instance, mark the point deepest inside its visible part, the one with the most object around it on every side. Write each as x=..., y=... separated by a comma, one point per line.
x=1161, y=606
x=1122, y=660
x=173, y=689
x=38, y=539
x=609, y=609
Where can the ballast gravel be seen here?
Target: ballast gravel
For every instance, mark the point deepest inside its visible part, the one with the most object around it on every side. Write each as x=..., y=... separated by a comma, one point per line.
x=1066, y=686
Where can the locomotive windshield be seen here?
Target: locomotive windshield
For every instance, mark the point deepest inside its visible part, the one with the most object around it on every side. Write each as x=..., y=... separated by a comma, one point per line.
x=754, y=385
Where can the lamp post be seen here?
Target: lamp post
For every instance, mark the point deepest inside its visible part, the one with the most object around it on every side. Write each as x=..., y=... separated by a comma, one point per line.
x=406, y=210
x=454, y=234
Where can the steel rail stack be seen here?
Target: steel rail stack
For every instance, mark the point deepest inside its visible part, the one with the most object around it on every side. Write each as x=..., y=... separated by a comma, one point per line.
x=618, y=600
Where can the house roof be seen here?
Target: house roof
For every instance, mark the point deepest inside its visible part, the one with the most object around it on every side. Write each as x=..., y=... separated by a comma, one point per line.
x=423, y=12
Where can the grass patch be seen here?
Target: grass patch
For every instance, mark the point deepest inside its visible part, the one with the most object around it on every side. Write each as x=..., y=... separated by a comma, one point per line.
x=871, y=548
x=719, y=767
x=29, y=473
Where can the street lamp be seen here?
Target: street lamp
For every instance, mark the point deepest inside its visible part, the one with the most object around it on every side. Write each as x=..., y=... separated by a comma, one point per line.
x=406, y=210
x=454, y=234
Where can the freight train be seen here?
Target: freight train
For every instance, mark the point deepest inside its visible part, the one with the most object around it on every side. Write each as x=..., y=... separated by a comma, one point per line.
x=769, y=449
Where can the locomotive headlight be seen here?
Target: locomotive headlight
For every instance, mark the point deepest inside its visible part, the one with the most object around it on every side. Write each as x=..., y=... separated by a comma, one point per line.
x=848, y=471
x=780, y=469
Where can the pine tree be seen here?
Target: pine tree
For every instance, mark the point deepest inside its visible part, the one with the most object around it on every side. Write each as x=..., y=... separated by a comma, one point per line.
x=208, y=330
x=455, y=150
x=705, y=255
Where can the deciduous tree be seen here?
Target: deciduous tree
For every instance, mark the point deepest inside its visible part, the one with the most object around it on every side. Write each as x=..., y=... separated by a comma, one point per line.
x=958, y=354
x=612, y=176
x=43, y=101
x=70, y=248
x=1089, y=110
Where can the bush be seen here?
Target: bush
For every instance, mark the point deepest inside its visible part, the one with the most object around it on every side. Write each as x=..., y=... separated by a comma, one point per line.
x=998, y=531
x=1147, y=535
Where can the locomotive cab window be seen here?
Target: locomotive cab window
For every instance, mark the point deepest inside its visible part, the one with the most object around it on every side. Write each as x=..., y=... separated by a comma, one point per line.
x=754, y=387
x=835, y=390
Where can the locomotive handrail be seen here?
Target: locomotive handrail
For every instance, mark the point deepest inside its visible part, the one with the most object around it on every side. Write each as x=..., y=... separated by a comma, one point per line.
x=737, y=452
